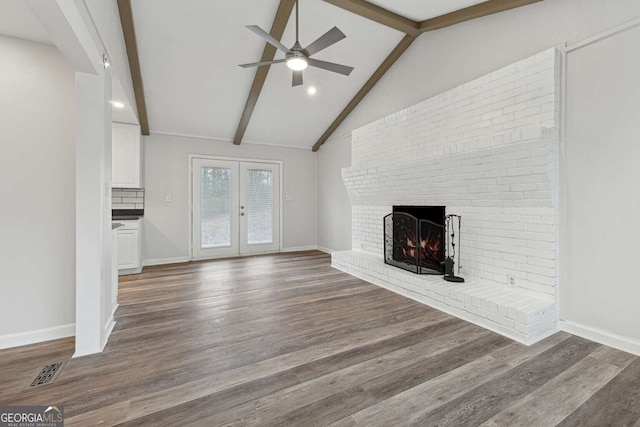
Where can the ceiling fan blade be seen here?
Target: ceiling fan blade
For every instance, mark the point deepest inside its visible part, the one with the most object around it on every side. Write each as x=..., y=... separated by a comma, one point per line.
x=332, y=36
x=330, y=66
x=268, y=37
x=297, y=78
x=260, y=64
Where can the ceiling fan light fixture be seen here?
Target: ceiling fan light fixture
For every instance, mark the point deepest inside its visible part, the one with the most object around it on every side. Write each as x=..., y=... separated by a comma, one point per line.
x=298, y=58
x=297, y=63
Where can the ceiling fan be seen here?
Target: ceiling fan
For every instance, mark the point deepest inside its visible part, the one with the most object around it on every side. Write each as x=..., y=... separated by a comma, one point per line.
x=298, y=58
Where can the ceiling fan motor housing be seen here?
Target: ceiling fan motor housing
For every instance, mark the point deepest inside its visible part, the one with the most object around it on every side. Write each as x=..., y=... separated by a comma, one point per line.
x=296, y=54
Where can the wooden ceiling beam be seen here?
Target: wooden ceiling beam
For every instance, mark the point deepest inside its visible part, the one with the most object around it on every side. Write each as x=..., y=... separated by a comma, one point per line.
x=379, y=15
x=277, y=30
x=477, y=11
x=375, y=77
x=126, y=19
x=400, y=23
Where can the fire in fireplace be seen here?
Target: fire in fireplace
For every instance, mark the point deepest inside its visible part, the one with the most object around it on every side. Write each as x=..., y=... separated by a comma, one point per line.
x=414, y=238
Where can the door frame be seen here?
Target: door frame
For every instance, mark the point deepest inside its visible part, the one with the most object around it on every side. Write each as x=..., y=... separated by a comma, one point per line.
x=190, y=158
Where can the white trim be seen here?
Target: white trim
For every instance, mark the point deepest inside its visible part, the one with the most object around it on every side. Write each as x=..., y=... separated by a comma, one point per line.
x=603, y=35
x=107, y=331
x=563, y=224
x=37, y=336
x=163, y=261
x=211, y=138
x=190, y=158
x=129, y=271
x=215, y=258
x=299, y=248
x=233, y=159
x=325, y=250
x=630, y=345
x=336, y=139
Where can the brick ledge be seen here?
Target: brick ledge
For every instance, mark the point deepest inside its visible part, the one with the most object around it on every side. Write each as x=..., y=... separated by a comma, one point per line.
x=510, y=312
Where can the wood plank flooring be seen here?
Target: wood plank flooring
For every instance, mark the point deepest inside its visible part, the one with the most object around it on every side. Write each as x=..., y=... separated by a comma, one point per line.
x=287, y=340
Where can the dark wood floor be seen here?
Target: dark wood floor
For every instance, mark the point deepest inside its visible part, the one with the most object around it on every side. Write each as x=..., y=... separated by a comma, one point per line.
x=287, y=340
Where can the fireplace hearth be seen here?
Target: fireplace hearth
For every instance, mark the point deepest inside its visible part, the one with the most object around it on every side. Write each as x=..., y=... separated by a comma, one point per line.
x=414, y=239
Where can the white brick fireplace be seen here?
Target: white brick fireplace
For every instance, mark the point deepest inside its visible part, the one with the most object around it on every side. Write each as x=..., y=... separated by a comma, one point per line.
x=488, y=151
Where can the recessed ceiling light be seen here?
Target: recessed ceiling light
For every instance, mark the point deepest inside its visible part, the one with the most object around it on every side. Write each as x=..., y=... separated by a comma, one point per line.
x=117, y=104
x=312, y=90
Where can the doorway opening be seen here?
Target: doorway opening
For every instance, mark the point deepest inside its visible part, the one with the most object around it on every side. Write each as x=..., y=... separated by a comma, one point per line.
x=235, y=207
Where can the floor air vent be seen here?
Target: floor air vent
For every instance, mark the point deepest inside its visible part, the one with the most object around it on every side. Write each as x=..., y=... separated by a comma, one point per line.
x=47, y=374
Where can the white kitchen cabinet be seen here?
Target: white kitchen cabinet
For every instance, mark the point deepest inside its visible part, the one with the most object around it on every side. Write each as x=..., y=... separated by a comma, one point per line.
x=126, y=162
x=130, y=247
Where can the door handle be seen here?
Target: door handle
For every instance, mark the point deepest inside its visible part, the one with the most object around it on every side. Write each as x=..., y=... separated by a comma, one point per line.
x=241, y=207
x=242, y=214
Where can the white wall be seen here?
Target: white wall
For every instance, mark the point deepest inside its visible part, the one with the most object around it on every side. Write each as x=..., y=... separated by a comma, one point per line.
x=600, y=292
x=37, y=171
x=443, y=59
x=166, y=233
x=334, y=207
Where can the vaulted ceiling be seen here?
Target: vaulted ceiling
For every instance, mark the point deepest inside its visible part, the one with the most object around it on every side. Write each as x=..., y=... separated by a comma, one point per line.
x=421, y=10
x=188, y=53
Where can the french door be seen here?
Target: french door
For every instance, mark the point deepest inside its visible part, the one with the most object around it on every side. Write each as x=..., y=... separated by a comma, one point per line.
x=235, y=208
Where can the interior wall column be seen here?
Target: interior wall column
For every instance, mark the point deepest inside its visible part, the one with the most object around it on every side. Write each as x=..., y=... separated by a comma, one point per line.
x=93, y=210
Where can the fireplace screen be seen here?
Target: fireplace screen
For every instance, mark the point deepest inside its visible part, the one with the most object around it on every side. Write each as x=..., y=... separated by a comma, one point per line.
x=413, y=244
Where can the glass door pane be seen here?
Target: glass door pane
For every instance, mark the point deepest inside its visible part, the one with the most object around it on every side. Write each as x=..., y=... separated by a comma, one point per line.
x=215, y=218
x=259, y=209
x=215, y=208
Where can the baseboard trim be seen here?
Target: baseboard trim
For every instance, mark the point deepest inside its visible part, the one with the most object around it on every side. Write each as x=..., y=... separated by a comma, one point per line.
x=325, y=250
x=38, y=336
x=107, y=331
x=601, y=336
x=178, y=260
x=163, y=261
x=129, y=271
x=300, y=248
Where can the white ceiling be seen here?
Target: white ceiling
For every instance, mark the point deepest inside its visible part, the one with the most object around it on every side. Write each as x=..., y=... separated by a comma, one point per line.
x=190, y=50
x=16, y=20
x=420, y=10
x=286, y=115
x=125, y=114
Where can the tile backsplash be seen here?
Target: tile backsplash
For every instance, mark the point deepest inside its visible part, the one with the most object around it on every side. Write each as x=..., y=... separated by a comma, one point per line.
x=127, y=198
